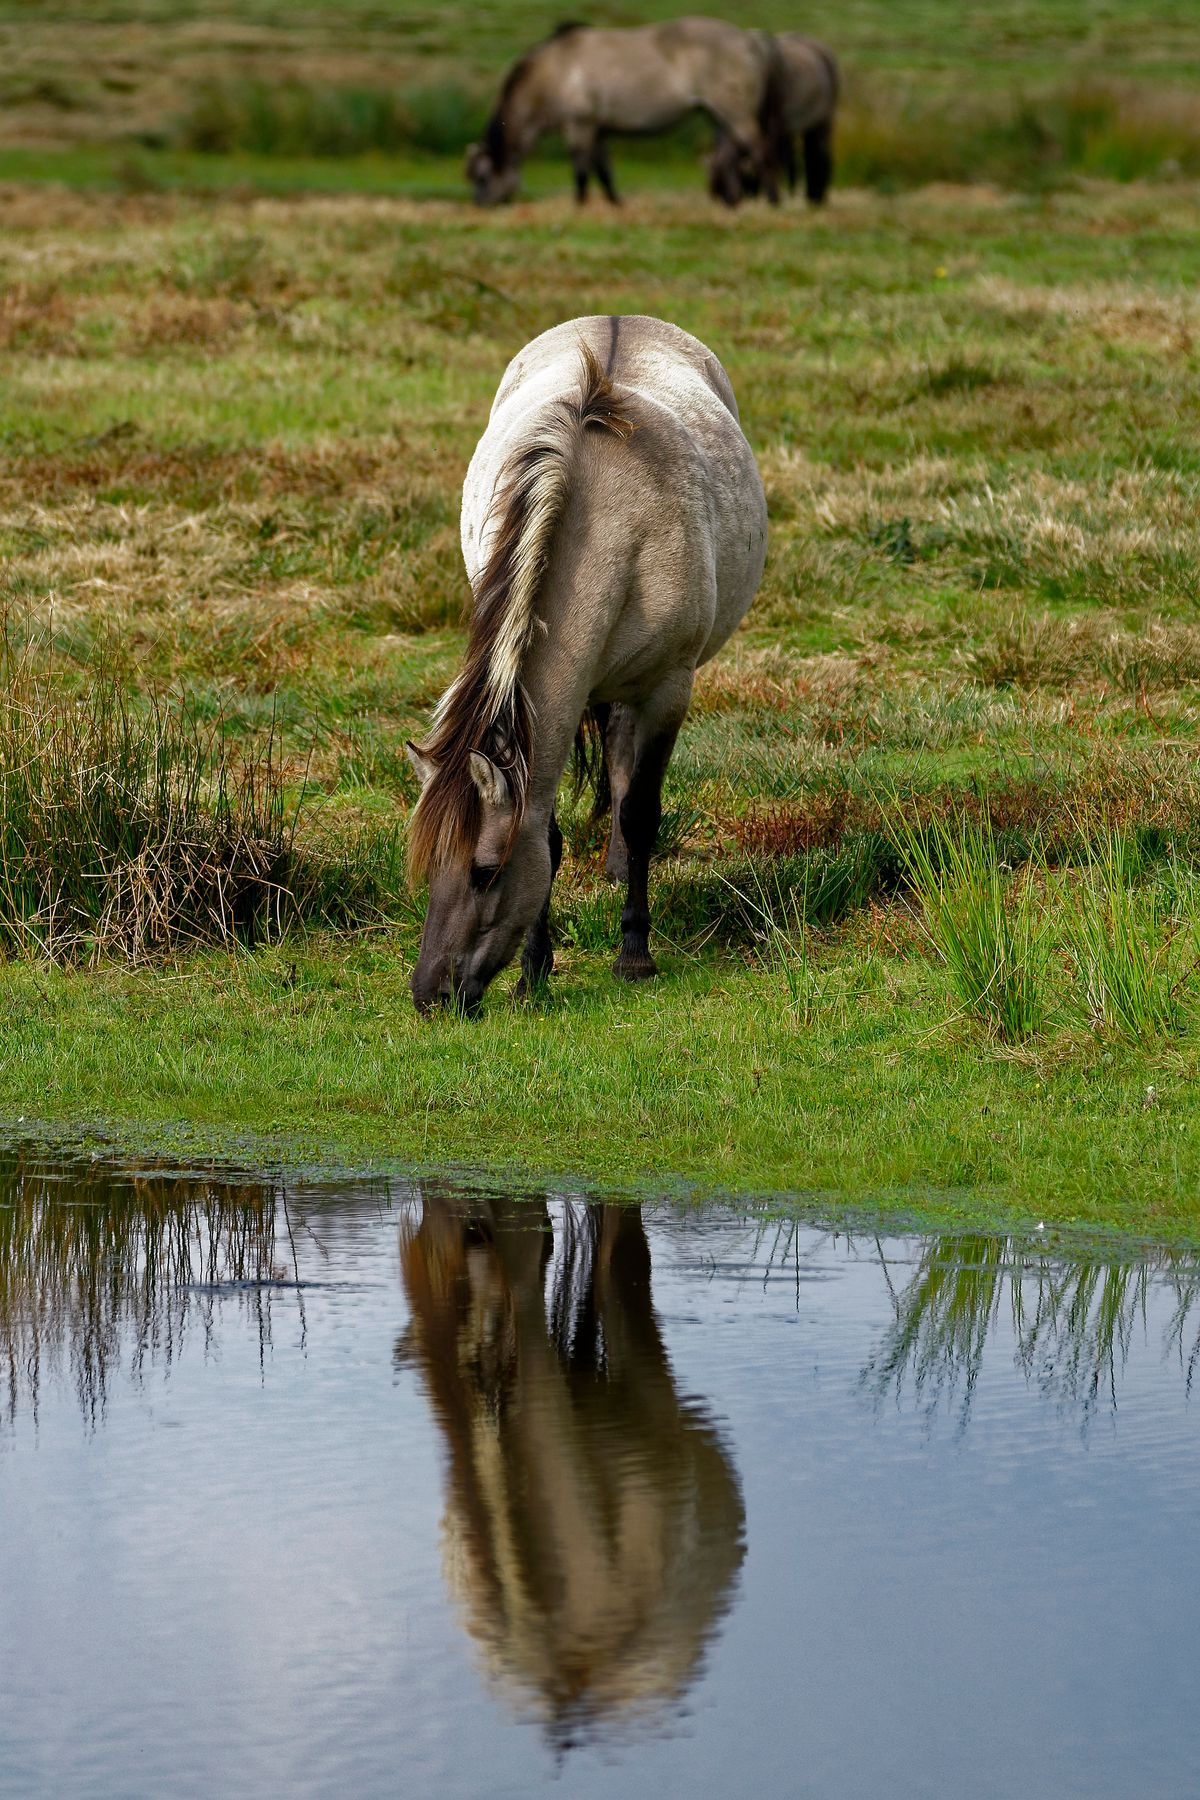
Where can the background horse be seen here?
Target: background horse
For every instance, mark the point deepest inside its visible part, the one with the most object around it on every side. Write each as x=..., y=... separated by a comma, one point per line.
x=594, y=1523
x=808, y=102
x=587, y=82
x=614, y=529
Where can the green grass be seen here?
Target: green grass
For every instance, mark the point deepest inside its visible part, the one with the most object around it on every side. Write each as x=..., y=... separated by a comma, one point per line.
x=238, y=393
x=710, y=1075
x=987, y=929
x=386, y=97
x=1134, y=951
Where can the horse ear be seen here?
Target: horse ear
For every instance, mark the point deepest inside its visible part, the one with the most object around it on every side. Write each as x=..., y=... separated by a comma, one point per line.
x=423, y=764
x=491, y=782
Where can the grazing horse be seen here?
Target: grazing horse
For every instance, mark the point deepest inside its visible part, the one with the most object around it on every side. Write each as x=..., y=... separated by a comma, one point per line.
x=614, y=529
x=587, y=82
x=594, y=1526
x=808, y=101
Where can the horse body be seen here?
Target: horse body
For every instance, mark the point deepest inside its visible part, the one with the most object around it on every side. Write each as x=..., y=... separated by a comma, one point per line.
x=614, y=530
x=588, y=81
x=807, y=87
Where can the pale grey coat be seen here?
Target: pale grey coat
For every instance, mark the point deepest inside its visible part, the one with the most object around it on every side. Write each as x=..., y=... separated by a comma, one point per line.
x=586, y=82
x=639, y=553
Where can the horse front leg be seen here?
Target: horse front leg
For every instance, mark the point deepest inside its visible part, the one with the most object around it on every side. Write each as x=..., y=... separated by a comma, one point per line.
x=581, y=142
x=537, y=958
x=818, y=160
x=640, y=818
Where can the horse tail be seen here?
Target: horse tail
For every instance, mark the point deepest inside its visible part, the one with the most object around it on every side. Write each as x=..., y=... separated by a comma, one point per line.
x=772, y=109
x=486, y=708
x=589, y=760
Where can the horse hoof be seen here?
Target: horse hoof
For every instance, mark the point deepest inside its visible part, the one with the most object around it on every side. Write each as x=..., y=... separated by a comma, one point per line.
x=635, y=968
x=617, y=870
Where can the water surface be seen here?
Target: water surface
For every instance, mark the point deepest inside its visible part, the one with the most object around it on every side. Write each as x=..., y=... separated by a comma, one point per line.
x=395, y=1488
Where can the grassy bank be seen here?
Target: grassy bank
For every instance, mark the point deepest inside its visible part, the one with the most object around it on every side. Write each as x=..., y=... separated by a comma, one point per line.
x=386, y=96
x=233, y=433
x=881, y=1095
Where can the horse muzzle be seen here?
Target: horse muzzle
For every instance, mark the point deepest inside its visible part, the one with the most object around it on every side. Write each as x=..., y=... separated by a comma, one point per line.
x=442, y=994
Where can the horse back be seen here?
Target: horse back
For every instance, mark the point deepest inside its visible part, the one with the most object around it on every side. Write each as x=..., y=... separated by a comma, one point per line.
x=661, y=546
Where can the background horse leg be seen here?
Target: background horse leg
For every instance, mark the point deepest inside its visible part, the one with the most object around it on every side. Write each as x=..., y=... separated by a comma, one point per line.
x=641, y=814
x=537, y=958
x=603, y=170
x=818, y=160
x=581, y=142
x=787, y=147
x=767, y=158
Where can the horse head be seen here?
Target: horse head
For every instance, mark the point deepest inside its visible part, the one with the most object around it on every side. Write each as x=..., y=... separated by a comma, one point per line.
x=485, y=894
x=493, y=174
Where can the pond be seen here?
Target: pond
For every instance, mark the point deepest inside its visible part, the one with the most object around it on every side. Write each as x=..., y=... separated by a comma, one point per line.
x=405, y=1488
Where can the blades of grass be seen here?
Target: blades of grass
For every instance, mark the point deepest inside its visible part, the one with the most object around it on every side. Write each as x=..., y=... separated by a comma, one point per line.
x=984, y=926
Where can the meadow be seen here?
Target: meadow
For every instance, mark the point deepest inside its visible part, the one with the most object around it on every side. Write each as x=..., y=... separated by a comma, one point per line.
x=927, y=916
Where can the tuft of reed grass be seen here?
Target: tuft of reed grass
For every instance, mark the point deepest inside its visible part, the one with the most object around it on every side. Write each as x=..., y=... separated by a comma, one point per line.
x=132, y=827
x=1123, y=939
x=986, y=928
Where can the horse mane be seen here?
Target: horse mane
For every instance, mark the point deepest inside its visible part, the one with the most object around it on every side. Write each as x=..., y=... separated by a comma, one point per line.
x=495, y=138
x=486, y=707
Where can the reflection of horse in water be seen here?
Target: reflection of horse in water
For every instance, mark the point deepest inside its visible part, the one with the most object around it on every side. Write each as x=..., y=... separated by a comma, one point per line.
x=594, y=1523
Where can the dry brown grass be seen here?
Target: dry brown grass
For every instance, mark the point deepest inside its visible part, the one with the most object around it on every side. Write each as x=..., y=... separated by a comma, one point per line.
x=1035, y=650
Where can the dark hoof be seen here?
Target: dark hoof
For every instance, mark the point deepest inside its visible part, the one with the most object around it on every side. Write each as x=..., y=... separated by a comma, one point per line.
x=531, y=989
x=617, y=869
x=635, y=967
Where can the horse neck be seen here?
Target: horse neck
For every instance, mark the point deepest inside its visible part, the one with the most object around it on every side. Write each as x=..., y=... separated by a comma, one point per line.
x=528, y=108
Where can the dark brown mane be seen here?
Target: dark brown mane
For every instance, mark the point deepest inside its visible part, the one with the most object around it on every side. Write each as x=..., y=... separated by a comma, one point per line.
x=486, y=708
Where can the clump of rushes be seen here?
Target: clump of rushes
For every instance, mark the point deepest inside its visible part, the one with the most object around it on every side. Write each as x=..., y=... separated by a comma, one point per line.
x=984, y=926
x=130, y=827
x=1123, y=939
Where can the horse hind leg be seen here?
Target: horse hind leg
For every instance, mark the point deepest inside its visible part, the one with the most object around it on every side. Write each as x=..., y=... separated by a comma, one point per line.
x=619, y=732
x=818, y=160
x=640, y=817
x=603, y=172
x=537, y=958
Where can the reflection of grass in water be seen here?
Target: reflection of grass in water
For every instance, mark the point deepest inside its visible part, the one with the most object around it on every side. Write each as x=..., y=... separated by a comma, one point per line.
x=93, y=1269
x=1073, y=1322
